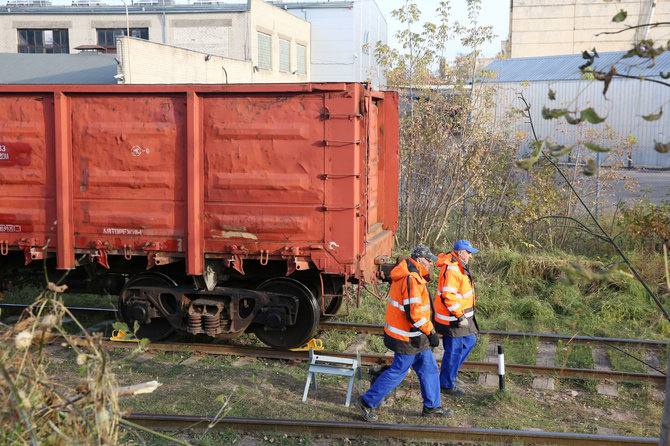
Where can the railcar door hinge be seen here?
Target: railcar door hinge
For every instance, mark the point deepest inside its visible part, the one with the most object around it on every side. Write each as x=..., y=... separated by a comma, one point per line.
x=30, y=251
x=101, y=255
x=333, y=176
x=340, y=143
x=331, y=208
x=326, y=114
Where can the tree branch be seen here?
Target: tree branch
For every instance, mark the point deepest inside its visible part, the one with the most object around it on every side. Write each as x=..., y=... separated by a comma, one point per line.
x=629, y=27
x=608, y=237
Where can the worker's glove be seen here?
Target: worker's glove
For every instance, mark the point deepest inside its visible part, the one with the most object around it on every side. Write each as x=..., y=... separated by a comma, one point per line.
x=433, y=339
x=462, y=322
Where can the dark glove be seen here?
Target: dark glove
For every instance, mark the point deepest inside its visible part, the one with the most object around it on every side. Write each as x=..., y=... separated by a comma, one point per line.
x=462, y=322
x=433, y=339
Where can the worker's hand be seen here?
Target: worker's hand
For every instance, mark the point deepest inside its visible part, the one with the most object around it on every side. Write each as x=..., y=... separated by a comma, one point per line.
x=433, y=339
x=462, y=322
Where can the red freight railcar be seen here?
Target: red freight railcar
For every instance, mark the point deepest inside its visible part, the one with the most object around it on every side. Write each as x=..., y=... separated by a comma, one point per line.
x=210, y=209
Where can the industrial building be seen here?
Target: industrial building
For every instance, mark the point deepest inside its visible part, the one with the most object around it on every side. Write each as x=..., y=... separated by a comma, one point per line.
x=252, y=41
x=626, y=101
x=557, y=27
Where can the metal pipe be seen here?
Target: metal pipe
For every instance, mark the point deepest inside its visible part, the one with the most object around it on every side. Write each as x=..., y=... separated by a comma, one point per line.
x=651, y=15
x=501, y=367
x=127, y=81
x=127, y=19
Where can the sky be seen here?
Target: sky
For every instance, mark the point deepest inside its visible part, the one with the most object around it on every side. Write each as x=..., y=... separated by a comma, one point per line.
x=493, y=12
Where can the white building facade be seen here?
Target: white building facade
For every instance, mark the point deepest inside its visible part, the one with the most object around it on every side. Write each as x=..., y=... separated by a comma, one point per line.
x=343, y=38
x=556, y=27
x=275, y=43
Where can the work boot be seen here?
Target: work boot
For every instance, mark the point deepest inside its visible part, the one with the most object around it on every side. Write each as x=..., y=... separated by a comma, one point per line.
x=452, y=391
x=436, y=412
x=366, y=411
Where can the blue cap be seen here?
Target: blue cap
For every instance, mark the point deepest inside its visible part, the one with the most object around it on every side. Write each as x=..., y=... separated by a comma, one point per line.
x=464, y=245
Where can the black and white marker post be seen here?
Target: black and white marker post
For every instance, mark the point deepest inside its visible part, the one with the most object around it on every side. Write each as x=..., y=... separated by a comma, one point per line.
x=501, y=367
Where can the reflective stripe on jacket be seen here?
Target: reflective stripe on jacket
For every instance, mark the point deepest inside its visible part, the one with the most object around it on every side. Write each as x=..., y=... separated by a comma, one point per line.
x=455, y=297
x=408, y=312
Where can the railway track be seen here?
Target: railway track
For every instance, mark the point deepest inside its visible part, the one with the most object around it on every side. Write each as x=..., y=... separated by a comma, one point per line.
x=379, y=330
x=397, y=431
x=495, y=334
x=490, y=366
x=371, y=360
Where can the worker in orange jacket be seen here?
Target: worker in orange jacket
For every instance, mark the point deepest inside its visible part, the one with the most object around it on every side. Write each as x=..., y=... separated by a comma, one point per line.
x=409, y=332
x=455, y=313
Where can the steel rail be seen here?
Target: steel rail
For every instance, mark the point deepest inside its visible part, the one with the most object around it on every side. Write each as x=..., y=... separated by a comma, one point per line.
x=398, y=431
x=368, y=359
x=379, y=329
x=73, y=309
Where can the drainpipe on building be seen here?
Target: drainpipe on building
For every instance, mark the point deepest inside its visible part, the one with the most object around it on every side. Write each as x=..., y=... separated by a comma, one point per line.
x=127, y=80
x=164, y=25
x=651, y=15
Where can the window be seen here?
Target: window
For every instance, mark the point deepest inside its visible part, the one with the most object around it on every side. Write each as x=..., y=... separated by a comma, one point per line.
x=284, y=56
x=107, y=36
x=43, y=41
x=264, y=51
x=301, y=59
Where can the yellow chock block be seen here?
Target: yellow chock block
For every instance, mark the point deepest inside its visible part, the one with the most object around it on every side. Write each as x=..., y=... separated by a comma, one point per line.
x=122, y=336
x=314, y=344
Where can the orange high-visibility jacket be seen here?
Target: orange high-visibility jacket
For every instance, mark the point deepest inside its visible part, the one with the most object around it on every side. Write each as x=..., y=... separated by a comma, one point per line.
x=455, y=295
x=408, y=312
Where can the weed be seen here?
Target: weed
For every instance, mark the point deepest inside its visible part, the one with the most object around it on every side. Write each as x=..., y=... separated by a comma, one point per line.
x=335, y=340
x=479, y=351
x=375, y=344
x=621, y=361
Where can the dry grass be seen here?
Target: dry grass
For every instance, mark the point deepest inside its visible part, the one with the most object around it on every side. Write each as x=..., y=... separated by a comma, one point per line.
x=41, y=408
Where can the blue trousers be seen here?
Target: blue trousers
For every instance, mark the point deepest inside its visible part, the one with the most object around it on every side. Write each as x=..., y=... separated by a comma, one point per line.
x=425, y=366
x=455, y=352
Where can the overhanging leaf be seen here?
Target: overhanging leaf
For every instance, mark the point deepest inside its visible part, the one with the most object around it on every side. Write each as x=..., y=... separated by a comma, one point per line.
x=589, y=58
x=655, y=117
x=559, y=150
x=605, y=77
x=591, y=168
x=526, y=164
x=645, y=50
x=572, y=121
x=537, y=148
x=661, y=147
x=552, y=113
x=620, y=17
x=590, y=115
x=665, y=75
x=552, y=94
x=596, y=147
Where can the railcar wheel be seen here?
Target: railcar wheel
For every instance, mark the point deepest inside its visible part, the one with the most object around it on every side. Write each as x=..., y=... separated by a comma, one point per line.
x=157, y=328
x=308, y=315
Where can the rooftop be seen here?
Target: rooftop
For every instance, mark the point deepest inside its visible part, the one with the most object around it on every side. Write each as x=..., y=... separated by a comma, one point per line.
x=139, y=7
x=57, y=68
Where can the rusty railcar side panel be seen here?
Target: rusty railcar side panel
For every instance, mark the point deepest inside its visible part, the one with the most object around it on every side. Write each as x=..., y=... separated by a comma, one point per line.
x=295, y=172
x=129, y=171
x=27, y=176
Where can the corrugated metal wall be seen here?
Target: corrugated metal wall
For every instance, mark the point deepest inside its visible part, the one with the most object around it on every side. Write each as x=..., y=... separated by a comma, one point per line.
x=626, y=102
